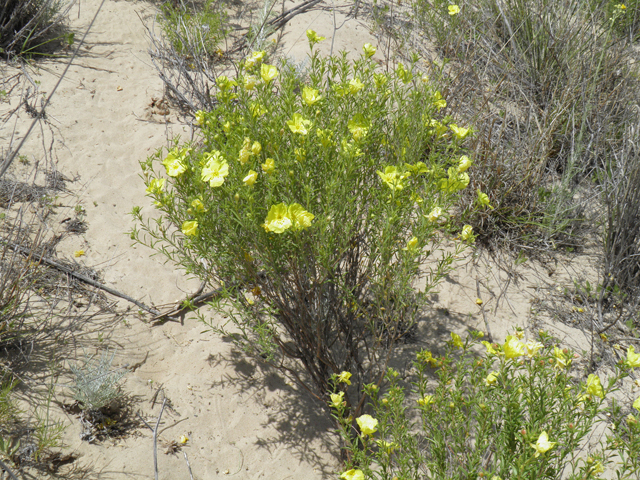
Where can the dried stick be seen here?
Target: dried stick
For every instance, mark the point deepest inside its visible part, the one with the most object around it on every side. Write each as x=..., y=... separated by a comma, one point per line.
x=188, y=466
x=79, y=276
x=4, y=467
x=155, y=440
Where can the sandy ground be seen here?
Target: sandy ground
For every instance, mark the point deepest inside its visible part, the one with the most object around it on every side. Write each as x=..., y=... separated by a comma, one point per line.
x=242, y=421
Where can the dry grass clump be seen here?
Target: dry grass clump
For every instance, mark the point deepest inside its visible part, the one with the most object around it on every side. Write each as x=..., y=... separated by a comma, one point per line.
x=32, y=26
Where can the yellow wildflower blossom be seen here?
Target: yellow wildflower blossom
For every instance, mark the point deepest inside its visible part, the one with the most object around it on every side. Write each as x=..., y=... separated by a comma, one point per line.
x=633, y=358
x=426, y=400
x=249, y=82
x=392, y=177
x=250, y=178
x=636, y=404
x=594, y=387
x=245, y=151
x=344, y=377
x=369, y=50
x=200, y=118
x=156, y=185
x=190, y=228
x=337, y=399
x=215, y=169
x=268, y=72
x=438, y=101
x=562, y=359
x=435, y=215
x=355, y=85
x=310, y=96
x=278, y=220
x=456, y=341
x=531, y=348
x=453, y=9
x=358, y=126
x=353, y=474
x=299, y=216
x=314, y=38
x=543, y=444
x=269, y=166
x=412, y=245
x=78, y=253
x=198, y=206
x=459, y=132
x=298, y=124
x=254, y=59
x=467, y=234
x=368, y=425
x=513, y=347
x=256, y=148
x=175, y=162
x=464, y=164
x=483, y=199
x=491, y=379
x=490, y=348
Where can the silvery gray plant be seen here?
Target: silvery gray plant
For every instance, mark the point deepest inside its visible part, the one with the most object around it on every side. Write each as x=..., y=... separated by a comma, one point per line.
x=96, y=384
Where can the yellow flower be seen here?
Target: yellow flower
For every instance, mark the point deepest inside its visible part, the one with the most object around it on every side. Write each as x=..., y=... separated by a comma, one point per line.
x=225, y=83
x=299, y=216
x=245, y=151
x=200, y=118
x=456, y=341
x=543, y=444
x=337, y=399
x=215, y=169
x=256, y=109
x=344, y=378
x=388, y=447
x=369, y=50
x=438, y=101
x=175, y=162
x=268, y=72
x=184, y=439
x=314, y=38
x=256, y=148
x=562, y=359
x=403, y=74
x=490, y=348
x=392, y=178
x=633, y=358
x=226, y=127
x=513, y=347
x=190, y=228
x=435, y=215
x=254, y=59
x=358, y=126
x=355, y=85
x=467, y=233
x=459, y=132
x=531, y=348
x=426, y=400
x=251, y=178
x=412, y=245
x=269, y=166
x=310, y=96
x=483, y=199
x=278, y=220
x=352, y=474
x=380, y=79
x=479, y=301
x=594, y=387
x=198, y=206
x=454, y=10
x=368, y=425
x=436, y=128
x=155, y=185
x=464, y=164
x=250, y=82
x=325, y=137
x=636, y=404
x=298, y=124
x=491, y=379
x=78, y=253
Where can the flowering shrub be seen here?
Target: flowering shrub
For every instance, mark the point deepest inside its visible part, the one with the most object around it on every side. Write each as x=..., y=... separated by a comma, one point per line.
x=515, y=412
x=314, y=200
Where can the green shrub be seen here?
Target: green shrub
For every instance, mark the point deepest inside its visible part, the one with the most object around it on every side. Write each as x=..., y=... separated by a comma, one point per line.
x=27, y=26
x=516, y=412
x=550, y=91
x=194, y=31
x=318, y=201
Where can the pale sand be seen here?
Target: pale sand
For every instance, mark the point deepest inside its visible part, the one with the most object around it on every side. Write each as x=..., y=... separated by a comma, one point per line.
x=239, y=417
